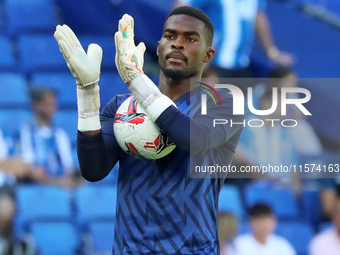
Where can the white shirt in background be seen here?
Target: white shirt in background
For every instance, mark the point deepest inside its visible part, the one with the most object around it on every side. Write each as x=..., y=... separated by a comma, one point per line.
x=326, y=243
x=275, y=245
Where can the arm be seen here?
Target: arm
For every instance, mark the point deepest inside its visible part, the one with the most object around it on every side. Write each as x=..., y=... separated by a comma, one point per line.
x=197, y=134
x=16, y=167
x=99, y=153
x=263, y=32
x=85, y=67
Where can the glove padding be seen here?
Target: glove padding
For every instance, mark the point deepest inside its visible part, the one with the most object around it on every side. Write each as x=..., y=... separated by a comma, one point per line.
x=84, y=67
x=129, y=58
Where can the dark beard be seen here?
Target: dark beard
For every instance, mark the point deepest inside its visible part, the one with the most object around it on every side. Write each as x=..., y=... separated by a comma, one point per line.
x=178, y=75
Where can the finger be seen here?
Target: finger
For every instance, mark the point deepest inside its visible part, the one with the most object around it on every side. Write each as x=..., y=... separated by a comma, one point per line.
x=119, y=44
x=60, y=36
x=122, y=27
x=130, y=30
x=95, y=51
x=64, y=49
x=126, y=34
x=73, y=36
x=129, y=22
x=66, y=36
x=141, y=47
x=141, y=50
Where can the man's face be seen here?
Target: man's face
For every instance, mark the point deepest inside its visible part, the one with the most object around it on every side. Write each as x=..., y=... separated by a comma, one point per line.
x=263, y=226
x=182, y=49
x=46, y=107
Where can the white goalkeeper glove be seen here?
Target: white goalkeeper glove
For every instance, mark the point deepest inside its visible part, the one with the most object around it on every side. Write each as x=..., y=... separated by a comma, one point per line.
x=129, y=58
x=129, y=62
x=86, y=69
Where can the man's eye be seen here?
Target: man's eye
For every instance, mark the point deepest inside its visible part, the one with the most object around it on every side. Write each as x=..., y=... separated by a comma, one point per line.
x=191, y=40
x=169, y=36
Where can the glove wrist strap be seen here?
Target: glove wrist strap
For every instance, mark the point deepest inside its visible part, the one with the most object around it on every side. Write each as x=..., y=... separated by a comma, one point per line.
x=148, y=94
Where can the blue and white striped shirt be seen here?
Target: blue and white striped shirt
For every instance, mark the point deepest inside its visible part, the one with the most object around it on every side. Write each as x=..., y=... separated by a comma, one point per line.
x=49, y=147
x=234, y=24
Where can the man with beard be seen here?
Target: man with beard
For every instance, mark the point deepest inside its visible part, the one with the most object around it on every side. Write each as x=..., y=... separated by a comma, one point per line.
x=160, y=208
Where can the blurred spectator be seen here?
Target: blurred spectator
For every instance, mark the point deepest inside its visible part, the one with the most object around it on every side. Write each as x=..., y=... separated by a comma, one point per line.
x=235, y=24
x=305, y=139
x=261, y=240
x=227, y=232
x=270, y=144
x=306, y=142
x=11, y=170
x=46, y=145
x=328, y=241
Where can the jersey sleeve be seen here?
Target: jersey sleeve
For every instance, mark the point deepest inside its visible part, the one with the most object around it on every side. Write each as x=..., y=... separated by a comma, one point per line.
x=197, y=134
x=98, y=154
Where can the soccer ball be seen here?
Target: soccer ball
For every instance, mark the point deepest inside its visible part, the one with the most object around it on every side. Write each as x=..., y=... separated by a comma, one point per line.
x=137, y=134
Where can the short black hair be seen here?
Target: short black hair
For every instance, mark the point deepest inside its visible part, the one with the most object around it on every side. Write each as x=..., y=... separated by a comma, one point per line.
x=198, y=14
x=260, y=210
x=37, y=93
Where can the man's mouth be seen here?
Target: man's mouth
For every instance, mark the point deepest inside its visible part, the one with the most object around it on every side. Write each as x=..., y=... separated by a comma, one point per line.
x=176, y=57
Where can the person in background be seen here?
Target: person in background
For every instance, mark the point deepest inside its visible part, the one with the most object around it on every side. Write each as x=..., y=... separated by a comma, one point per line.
x=236, y=23
x=12, y=170
x=328, y=241
x=46, y=145
x=262, y=240
x=228, y=225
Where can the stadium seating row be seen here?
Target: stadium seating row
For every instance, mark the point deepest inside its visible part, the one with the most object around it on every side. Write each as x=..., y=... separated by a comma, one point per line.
x=282, y=200
x=48, y=212
x=55, y=215
x=14, y=88
x=40, y=53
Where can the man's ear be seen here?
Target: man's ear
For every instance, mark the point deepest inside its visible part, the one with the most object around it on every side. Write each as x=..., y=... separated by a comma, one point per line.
x=209, y=56
x=157, y=48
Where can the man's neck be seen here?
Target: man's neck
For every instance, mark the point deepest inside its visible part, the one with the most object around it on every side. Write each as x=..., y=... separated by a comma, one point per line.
x=46, y=122
x=260, y=239
x=174, y=88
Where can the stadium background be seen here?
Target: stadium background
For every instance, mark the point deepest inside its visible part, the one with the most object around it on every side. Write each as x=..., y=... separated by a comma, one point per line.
x=29, y=56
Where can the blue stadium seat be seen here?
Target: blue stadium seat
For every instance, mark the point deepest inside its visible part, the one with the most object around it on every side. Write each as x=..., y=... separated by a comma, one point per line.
x=311, y=206
x=40, y=53
x=109, y=50
x=63, y=83
x=230, y=201
x=111, y=85
x=281, y=200
x=37, y=203
x=75, y=158
x=56, y=238
x=34, y=16
x=14, y=93
x=298, y=234
x=243, y=228
x=101, y=234
x=7, y=61
x=325, y=226
x=12, y=120
x=68, y=120
x=95, y=203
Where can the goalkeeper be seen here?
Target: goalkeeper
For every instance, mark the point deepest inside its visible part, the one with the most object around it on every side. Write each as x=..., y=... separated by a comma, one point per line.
x=160, y=209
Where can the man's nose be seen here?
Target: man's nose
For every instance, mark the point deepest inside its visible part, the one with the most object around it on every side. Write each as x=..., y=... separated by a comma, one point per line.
x=178, y=44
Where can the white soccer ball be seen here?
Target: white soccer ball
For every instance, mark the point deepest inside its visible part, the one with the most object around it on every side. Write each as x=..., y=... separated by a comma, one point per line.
x=137, y=134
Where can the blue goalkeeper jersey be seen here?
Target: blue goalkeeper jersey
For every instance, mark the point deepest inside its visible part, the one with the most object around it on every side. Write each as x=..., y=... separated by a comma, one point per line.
x=160, y=208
